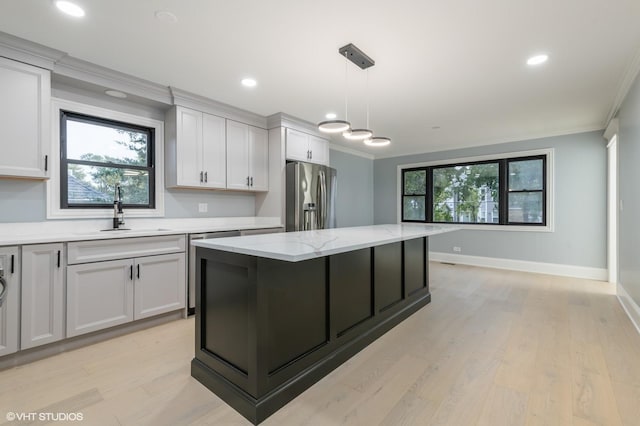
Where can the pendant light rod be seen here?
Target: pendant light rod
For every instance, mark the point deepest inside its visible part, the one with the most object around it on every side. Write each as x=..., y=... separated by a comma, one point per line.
x=346, y=88
x=367, y=89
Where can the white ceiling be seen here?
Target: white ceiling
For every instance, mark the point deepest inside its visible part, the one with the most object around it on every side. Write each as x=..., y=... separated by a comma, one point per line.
x=456, y=64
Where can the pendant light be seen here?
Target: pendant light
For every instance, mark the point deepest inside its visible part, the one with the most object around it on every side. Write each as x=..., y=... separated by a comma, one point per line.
x=338, y=126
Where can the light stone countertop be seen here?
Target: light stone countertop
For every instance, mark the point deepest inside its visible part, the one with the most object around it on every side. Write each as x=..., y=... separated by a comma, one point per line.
x=304, y=245
x=81, y=230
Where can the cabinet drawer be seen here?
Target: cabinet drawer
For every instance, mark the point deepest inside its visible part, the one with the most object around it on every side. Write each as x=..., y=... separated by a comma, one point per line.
x=99, y=250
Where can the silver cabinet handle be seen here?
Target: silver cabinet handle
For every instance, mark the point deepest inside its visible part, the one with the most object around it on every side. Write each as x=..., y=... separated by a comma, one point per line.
x=247, y=180
x=251, y=181
x=310, y=155
x=201, y=180
x=206, y=178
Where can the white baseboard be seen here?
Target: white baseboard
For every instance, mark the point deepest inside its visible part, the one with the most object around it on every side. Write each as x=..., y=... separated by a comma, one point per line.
x=599, y=274
x=629, y=305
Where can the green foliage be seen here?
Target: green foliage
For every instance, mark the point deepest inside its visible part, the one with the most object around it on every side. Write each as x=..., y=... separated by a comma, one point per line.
x=462, y=184
x=104, y=179
x=415, y=182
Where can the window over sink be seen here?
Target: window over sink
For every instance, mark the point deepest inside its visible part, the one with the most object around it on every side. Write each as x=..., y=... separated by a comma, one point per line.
x=99, y=148
x=97, y=154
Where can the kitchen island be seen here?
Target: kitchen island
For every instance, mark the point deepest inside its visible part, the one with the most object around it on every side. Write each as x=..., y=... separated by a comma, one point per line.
x=276, y=313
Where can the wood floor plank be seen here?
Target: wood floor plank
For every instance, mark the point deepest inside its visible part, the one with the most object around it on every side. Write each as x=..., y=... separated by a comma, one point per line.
x=504, y=407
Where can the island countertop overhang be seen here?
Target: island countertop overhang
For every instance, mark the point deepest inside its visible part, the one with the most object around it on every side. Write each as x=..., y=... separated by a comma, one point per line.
x=305, y=245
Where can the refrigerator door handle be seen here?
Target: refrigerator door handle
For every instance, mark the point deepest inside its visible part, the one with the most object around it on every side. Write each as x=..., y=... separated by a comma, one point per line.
x=322, y=216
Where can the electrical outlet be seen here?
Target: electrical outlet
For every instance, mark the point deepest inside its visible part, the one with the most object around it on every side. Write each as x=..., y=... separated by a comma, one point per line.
x=203, y=207
x=457, y=249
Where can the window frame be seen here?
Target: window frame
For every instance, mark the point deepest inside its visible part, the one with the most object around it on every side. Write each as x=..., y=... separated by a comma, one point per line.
x=140, y=118
x=503, y=161
x=64, y=161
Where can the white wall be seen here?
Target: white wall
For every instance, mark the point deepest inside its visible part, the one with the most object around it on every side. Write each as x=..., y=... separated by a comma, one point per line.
x=355, y=189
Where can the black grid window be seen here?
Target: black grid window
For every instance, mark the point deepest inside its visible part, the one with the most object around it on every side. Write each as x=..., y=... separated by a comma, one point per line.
x=509, y=191
x=97, y=154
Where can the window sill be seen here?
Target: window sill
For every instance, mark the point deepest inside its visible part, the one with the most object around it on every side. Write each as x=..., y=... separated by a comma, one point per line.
x=475, y=227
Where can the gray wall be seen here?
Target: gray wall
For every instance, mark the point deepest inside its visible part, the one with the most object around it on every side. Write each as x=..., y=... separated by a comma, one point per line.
x=355, y=189
x=629, y=178
x=580, y=204
x=25, y=201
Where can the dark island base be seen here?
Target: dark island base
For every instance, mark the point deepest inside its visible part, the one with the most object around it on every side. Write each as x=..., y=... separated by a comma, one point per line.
x=270, y=329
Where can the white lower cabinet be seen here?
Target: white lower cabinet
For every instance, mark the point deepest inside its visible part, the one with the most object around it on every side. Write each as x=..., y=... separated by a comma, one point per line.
x=103, y=294
x=160, y=284
x=42, y=295
x=99, y=295
x=10, y=307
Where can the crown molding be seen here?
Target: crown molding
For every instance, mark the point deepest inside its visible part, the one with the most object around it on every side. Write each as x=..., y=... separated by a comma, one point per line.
x=351, y=151
x=282, y=119
x=22, y=50
x=96, y=74
x=201, y=103
x=625, y=85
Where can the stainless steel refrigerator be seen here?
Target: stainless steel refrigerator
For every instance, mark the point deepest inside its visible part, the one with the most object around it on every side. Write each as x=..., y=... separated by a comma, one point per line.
x=311, y=196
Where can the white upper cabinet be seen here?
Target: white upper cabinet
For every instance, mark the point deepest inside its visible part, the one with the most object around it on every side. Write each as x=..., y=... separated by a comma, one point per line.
x=195, y=148
x=214, y=151
x=247, y=157
x=25, y=100
x=305, y=147
x=258, y=159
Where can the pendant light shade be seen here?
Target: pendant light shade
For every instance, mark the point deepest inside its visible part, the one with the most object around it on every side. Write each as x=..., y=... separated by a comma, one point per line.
x=334, y=126
x=357, y=134
x=377, y=141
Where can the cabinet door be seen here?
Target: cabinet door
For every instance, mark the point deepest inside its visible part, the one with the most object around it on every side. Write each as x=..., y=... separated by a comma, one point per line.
x=319, y=150
x=99, y=295
x=10, y=308
x=297, y=145
x=160, y=284
x=258, y=159
x=25, y=98
x=188, y=147
x=214, y=151
x=42, y=294
x=237, y=155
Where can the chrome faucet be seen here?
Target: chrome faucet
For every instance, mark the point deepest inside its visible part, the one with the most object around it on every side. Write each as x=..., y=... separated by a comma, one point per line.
x=118, y=214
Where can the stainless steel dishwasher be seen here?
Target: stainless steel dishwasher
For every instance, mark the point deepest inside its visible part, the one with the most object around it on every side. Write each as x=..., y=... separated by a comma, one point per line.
x=192, y=263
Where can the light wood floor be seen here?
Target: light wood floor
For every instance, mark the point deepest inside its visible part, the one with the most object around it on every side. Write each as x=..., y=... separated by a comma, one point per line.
x=492, y=348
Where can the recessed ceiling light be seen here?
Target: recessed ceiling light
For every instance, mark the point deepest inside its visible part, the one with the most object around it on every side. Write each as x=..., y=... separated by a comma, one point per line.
x=166, y=16
x=249, y=82
x=70, y=8
x=115, y=94
x=537, y=59
x=331, y=115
